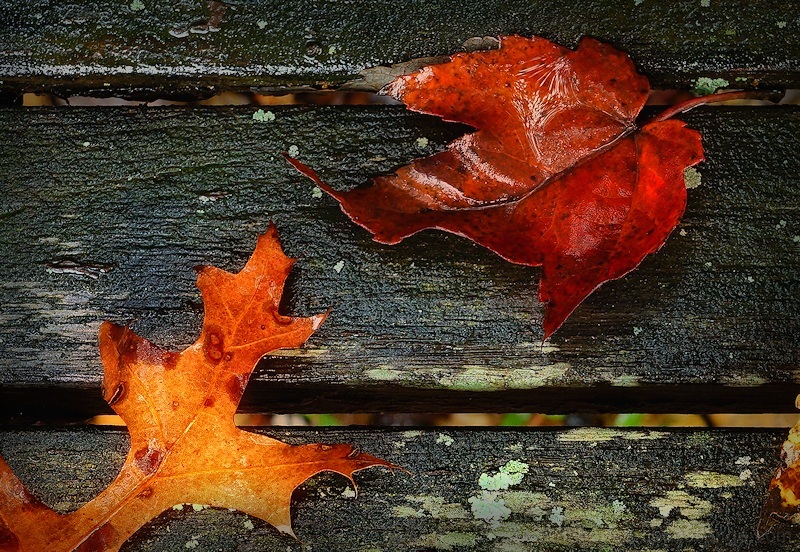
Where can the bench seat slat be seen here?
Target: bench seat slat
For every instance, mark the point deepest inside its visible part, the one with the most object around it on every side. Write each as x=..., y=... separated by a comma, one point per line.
x=586, y=489
x=137, y=197
x=108, y=48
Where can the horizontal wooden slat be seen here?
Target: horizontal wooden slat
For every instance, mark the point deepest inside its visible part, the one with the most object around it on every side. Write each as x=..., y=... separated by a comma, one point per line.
x=586, y=489
x=138, y=197
x=106, y=47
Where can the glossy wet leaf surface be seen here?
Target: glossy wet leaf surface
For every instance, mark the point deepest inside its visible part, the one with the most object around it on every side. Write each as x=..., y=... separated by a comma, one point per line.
x=558, y=174
x=179, y=409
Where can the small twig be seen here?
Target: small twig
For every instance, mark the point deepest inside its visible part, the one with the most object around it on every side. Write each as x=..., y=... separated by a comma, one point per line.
x=713, y=98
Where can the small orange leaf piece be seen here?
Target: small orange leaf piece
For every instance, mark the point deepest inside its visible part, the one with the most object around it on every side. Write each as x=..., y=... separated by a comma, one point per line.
x=783, y=499
x=179, y=408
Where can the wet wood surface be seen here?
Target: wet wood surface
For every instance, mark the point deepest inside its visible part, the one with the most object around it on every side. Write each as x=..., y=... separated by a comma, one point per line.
x=105, y=211
x=148, y=49
x=584, y=489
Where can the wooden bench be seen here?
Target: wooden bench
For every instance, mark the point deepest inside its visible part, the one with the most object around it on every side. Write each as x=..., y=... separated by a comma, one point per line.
x=104, y=211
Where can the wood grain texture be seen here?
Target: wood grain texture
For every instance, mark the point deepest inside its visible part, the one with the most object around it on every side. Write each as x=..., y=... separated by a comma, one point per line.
x=104, y=212
x=585, y=489
x=106, y=47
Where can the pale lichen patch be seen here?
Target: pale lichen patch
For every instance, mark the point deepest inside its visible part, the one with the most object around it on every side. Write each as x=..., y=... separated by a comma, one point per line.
x=528, y=504
x=688, y=529
x=511, y=535
x=293, y=151
x=384, y=374
x=705, y=85
x=691, y=176
x=444, y=439
x=598, y=434
x=316, y=192
x=743, y=380
x=688, y=506
x=422, y=142
x=510, y=474
x=348, y=493
x=480, y=378
x=407, y=511
x=489, y=507
x=262, y=116
x=338, y=267
x=248, y=524
x=557, y=516
x=447, y=541
x=136, y=5
x=626, y=380
x=712, y=480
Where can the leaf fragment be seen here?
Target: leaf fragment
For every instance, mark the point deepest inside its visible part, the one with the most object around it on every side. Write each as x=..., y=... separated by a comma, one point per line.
x=179, y=409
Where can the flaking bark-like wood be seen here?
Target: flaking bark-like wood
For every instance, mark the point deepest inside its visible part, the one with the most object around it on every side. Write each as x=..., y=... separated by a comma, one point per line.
x=174, y=48
x=135, y=197
x=585, y=489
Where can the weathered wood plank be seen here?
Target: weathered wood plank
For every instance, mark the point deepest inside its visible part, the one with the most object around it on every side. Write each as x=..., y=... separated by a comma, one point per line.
x=165, y=48
x=585, y=489
x=137, y=197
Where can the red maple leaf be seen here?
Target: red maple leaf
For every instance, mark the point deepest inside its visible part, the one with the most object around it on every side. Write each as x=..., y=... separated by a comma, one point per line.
x=557, y=175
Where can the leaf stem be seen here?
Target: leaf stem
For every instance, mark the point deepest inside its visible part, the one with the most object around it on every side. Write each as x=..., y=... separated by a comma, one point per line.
x=711, y=98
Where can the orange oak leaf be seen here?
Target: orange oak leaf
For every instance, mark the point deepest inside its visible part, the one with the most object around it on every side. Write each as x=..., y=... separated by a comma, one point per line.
x=179, y=409
x=558, y=174
x=783, y=499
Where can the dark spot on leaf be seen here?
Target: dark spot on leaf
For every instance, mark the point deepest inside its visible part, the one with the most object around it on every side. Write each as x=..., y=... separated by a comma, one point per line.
x=8, y=540
x=213, y=345
x=170, y=361
x=235, y=387
x=148, y=459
